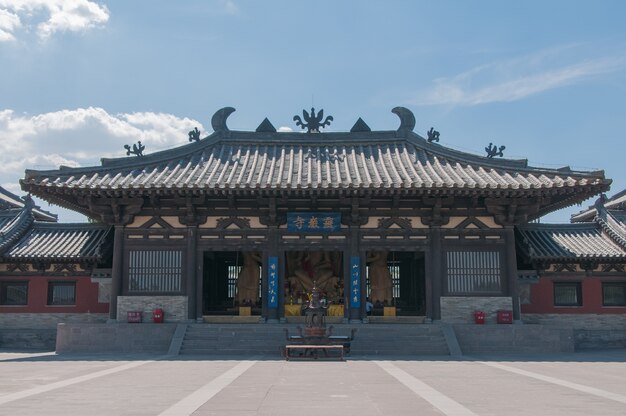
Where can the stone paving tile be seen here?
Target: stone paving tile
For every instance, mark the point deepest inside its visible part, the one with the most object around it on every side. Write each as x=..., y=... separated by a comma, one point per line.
x=276, y=387
x=490, y=391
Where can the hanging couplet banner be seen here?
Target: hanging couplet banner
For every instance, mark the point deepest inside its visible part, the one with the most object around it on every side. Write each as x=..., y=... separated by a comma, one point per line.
x=313, y=221
x=355, y=282
x=272, y=282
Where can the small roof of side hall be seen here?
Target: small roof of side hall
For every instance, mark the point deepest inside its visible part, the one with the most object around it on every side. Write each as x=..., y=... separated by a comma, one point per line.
x=9, y=200
x=24, y=238
x=359, y=162
x=603, y=238
x=61, y=242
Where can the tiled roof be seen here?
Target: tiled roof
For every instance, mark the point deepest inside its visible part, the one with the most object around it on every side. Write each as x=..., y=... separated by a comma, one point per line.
x=60, y=242
x=568, y=242
x=14, y=222
x=9, y=201
x=615, y=203
x=267, y=162
x=316, y=163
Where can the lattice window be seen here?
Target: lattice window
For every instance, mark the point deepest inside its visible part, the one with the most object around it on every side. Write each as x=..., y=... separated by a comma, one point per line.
x=155, y=270
x=614, y=294
x=61, y=293
x=471, y=272
x=13, y=293
x=568, y=294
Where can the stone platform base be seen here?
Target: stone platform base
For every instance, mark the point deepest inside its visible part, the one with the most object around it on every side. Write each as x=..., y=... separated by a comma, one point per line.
x=114, y=338
x=381, y=338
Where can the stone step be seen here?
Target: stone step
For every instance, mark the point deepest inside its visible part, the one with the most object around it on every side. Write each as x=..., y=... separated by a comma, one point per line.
x=379, y=339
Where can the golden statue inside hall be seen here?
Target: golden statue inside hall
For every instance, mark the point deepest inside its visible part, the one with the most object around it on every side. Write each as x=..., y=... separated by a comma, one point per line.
x=308, y=267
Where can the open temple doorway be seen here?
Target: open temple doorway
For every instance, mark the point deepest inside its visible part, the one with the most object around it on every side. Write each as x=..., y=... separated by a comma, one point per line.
x=396, y=278
x=231, y=279
x=322, y=268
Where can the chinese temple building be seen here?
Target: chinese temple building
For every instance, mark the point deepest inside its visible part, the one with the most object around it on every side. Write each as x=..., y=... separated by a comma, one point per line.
x=250, y=220
x=576, y=269
x=49, y=272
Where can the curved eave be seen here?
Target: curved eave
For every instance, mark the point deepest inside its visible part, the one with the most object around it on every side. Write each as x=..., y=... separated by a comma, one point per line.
x=580, y=259
x=51, y=259
x=118, y=191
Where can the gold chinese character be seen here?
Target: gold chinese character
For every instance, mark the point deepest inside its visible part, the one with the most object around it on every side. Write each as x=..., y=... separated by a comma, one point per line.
x=329, y=222
x=313, y=222
x=299, y=222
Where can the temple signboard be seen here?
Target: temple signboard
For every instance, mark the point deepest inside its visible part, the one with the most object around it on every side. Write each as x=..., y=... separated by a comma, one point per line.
x=313, y=221
x=272, y=283
x=355, y=282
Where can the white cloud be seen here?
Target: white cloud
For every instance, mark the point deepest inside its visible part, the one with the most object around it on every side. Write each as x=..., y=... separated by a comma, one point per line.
x=81, y=137
x=60, y=15
x=9, y=23
x=284, y=129
x=515, y=79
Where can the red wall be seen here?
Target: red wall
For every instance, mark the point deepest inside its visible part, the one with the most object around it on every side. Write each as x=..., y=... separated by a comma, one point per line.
x=86, y=296
x=542, y=297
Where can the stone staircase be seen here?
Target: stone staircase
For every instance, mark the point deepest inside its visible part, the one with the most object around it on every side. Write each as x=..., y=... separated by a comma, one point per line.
x=268, y=339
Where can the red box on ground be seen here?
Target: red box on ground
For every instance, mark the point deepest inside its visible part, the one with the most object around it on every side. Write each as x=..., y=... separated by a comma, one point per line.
x=505, y=317
x=134, y=317
x=479, y=317
x=157, y=316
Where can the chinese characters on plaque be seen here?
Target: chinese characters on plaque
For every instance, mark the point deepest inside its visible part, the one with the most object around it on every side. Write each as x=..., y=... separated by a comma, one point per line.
x=355, y=282
x=313, y=221
x=272, y=282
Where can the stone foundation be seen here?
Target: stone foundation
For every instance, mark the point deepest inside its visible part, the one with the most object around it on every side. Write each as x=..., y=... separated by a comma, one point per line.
x=578, y=321
x=174, y=307
x=47, y=320
x=514, y=339
x=28, y=339
x=460, y=309
x=114, y=338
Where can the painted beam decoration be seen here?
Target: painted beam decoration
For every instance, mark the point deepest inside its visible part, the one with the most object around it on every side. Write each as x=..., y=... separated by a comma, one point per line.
x=355, y=282
x=313, y=221
x=272, y=283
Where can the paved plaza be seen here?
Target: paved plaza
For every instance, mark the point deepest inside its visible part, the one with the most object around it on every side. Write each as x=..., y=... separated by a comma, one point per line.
x=575, y=384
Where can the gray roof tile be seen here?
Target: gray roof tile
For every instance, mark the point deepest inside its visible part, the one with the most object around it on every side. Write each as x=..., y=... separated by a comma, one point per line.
x=312, y=162
x=60, y=242
x=569, y=242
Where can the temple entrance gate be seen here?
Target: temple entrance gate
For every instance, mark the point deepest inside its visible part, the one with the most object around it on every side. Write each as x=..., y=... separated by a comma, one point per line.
x=231, y=279
x=396, y=278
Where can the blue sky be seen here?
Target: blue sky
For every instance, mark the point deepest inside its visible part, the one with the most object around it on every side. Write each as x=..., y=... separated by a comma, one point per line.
x=82, y=78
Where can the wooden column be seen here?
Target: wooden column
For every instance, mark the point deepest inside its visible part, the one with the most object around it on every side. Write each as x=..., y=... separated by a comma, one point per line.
x=436, y=271
x=117, y=271
x=190, y=282
x=511, y=271
x=199, y=283
x=428, y=283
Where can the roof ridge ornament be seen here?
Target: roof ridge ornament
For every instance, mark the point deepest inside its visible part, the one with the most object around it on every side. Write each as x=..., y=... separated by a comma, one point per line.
x=407, y=119
x=313, y=122
x=137, y=149
x=433, y=135
x=218, y=121
x=194, y=135
x=494, y=150
x=266, y=126
x=360, y=126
